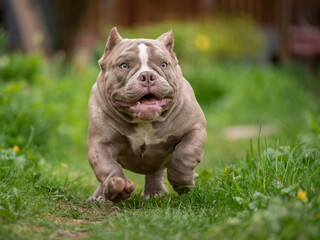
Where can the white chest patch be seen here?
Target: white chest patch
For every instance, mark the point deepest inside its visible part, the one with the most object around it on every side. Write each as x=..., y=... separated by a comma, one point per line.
x=144, y=135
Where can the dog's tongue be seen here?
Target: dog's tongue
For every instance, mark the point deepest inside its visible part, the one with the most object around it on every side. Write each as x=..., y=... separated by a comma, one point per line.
x=148, y=99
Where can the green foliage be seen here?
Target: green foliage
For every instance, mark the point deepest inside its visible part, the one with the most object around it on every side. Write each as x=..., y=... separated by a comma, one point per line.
x=20, y=67
x=280, y=220
x=3, y=41
x=243, y=93
x=35, y=102
x=23, y=116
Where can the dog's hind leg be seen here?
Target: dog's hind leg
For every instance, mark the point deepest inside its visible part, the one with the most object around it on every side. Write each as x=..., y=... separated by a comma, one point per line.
x=97, y=195
x=154, y=185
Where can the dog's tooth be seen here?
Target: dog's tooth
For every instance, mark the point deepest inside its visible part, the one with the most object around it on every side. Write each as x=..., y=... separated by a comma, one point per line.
x=139, y=102
x=157, y=102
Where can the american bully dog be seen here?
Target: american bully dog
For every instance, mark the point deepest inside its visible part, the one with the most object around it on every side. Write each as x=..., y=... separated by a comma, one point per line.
x=144, y=117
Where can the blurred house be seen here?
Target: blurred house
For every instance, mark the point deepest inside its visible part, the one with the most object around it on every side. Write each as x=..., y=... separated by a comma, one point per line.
x=292, y=27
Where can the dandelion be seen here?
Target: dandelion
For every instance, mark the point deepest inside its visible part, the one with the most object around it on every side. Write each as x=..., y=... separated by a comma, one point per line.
x=64, y=165
x=302, y=195
x=225, y=169
x=15, y=148
x=202, y=42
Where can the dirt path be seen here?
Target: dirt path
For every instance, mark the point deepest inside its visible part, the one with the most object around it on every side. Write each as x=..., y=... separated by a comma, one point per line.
x=248, y=131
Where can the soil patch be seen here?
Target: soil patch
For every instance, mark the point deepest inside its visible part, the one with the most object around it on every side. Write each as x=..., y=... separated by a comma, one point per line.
x=248, y=131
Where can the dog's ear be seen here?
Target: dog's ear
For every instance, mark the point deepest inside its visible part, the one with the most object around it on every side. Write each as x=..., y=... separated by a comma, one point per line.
x=113, y=40
x=167, y=39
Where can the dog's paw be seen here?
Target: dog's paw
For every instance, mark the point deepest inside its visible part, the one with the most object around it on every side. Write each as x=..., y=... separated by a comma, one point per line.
x=117, y=189
x=156, y=192
x=183, y=189
x=96, y=199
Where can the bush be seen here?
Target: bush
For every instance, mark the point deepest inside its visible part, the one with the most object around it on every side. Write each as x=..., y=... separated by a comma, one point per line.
x=43, y=105
x=3, y=41
x=23, y=120
x=21, y=67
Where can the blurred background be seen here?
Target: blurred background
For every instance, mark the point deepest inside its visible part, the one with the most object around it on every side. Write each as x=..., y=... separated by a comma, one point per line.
x=252, y=63
x=279, y=29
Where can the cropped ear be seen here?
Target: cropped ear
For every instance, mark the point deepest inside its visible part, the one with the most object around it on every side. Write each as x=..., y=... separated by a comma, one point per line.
x=113, y=40
x=167, y=39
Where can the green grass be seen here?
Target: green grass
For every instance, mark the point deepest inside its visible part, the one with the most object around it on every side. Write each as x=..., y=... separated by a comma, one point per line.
x=246, y=189
x=255, y=197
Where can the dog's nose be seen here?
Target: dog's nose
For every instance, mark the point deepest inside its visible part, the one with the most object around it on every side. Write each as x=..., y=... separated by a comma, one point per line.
x=147, y=78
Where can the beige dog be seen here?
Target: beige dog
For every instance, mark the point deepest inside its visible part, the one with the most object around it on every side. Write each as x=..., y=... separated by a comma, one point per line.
x=144, y=117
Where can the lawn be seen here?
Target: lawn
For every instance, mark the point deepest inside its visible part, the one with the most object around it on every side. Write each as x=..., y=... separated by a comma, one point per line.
x=262, y=186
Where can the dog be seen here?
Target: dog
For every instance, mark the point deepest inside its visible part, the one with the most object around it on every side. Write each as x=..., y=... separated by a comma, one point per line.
x=143, y=117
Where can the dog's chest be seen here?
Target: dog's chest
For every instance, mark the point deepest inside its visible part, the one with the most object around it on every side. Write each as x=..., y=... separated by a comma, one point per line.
x=144, y=135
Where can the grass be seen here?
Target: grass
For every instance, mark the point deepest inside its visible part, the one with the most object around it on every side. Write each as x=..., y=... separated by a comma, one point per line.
x=256, y=197
x=246, y=189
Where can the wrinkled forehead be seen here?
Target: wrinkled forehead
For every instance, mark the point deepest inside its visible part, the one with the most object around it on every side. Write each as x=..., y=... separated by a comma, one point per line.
x=138, y=47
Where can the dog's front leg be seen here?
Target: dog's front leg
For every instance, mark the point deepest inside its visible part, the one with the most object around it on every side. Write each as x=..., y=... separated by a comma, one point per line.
x=109, y=172
x=186, y=156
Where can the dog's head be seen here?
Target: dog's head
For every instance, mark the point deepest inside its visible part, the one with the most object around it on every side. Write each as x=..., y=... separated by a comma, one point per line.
x=139, y=78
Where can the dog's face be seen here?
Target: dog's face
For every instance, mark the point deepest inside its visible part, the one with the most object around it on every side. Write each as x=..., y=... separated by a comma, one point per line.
x=140, y=77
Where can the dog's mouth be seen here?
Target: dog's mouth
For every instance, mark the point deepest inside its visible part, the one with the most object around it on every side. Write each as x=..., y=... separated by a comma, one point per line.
x=148, y=99
x=151, y=101
x=146, y=107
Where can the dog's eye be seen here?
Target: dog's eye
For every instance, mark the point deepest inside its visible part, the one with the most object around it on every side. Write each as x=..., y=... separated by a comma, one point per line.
x=124, y=66
x=163, y=65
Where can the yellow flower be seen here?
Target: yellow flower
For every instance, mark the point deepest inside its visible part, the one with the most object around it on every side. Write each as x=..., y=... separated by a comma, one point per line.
x=225, y=169
x=64, y=165
x=202, y=42
x=302, y=195
x=15, y=148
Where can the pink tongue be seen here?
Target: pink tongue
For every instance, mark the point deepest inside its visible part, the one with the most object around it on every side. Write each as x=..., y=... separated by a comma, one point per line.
x=148, y=100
